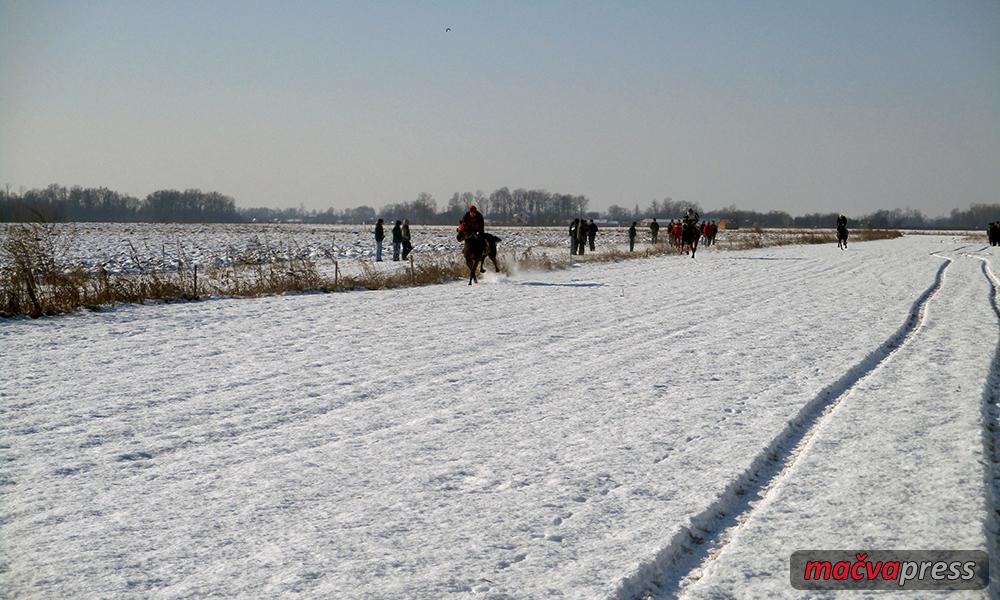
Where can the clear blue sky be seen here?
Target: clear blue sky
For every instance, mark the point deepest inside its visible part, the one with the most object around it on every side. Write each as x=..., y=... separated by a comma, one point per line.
x=797, y=105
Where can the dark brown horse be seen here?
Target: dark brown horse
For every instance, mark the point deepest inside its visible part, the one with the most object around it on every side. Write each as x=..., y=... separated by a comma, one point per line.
x=478, y=247
x=690, y=235
x=842, y=238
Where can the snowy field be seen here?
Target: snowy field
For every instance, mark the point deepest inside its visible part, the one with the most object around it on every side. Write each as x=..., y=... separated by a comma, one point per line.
x=660, y=428
x=122, y=248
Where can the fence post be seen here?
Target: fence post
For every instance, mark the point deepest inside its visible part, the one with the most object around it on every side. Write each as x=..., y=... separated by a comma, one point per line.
x=336, y=275
x=196, y=280
x=413, y=275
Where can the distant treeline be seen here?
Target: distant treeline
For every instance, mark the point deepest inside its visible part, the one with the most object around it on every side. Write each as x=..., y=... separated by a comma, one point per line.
x=56, y=203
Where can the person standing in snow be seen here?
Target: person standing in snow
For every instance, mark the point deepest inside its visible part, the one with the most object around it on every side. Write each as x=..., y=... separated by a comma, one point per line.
x=405, y=234
x=654, y=229
x=631, y=237
x=572, y=235
x=581, y=237
x=379, y=238
x=397, y=239
x=591, y=233
x=676, y=231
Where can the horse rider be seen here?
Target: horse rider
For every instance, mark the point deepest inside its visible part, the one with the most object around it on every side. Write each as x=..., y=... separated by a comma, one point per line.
x=692, y=217
x=473, y=220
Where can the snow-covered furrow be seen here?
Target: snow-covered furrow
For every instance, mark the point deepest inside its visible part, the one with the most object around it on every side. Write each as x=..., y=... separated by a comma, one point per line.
x=539, y=434
x=682, y=560
x=897, y=464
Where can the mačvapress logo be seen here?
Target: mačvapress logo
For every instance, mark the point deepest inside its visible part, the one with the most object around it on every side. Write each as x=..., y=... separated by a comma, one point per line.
x=889, y=570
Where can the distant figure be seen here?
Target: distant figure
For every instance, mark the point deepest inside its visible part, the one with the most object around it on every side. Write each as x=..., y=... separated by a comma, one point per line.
x=842, y=232
x=591, y=234
x=581, y=237
x=405, y=234
x=654, y=229
x=993, y=233
x=631, y=237
x=379, y=237
x=690, y=232
x=676, y=231
x=397, y=239
x=572, y=235
x=474, y=222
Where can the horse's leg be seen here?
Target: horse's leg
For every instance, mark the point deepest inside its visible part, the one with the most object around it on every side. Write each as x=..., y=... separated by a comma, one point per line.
x=493, y=257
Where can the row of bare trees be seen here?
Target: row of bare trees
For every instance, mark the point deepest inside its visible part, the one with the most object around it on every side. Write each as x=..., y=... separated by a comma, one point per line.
x=522, y=206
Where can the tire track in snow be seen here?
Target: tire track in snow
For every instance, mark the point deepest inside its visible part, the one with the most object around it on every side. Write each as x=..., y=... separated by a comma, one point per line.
x=681, y=562
x=991, y=434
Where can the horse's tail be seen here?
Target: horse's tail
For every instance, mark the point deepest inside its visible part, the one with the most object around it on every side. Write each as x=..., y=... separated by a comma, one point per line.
x=492, y=238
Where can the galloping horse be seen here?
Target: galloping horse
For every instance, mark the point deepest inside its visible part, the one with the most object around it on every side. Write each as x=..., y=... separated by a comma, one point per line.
x=690, y=236
x=842, y=237
x=478, y=247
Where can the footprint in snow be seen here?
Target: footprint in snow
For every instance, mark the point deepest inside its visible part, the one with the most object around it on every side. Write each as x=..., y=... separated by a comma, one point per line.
x=131, y=456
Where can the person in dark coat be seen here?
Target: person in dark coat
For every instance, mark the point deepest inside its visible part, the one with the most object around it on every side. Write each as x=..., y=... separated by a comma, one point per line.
x=572, y=235
x=379, y=238
x=405, y=234
x=474, y=222
x=581, y=237
x=654, y=229
x=631, y=237
x=397, y=239
x=591, y=233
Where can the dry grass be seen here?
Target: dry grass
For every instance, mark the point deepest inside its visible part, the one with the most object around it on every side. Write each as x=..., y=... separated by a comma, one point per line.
x=759, y=239
x=33, y=284
x=867, y=235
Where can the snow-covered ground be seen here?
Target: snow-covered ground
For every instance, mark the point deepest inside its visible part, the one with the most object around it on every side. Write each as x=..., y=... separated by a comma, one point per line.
x=569, y=434
x=121, y=248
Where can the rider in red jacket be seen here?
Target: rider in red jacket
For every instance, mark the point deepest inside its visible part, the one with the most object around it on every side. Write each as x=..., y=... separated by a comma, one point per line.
x=473, y=221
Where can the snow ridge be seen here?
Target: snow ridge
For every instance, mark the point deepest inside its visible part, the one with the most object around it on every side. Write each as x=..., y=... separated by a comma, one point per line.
x=680, y=562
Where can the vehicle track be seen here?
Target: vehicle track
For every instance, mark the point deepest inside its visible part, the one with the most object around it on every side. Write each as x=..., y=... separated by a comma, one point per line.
x=991, y=434
x=682, y=560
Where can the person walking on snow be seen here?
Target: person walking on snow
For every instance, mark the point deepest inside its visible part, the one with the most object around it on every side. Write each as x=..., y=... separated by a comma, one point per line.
x=379, y=238
x=631, y=237
x=654, y=229
x=591, y=233
x=572, y=236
